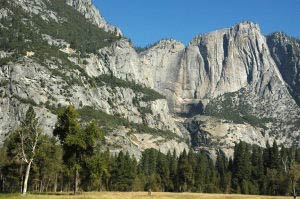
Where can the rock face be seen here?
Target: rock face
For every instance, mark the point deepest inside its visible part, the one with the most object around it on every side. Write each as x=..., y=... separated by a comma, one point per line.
x=216, y=63
x=286, y=53
x=49, y=81
x=234, y=60
x=209, y=133
x=228, y=85
x=91, y=13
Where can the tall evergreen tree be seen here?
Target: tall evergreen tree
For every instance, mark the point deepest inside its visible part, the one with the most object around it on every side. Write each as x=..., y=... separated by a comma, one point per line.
x=274, y=157
x=241, y=168
x=123, y=173
x=221, y=166
x=184, y=173
x=48, y=165
x=73, y=141
x=257, y=173
x=267, y=156
x=173, y=162
x=92, y=162
x=163, y=171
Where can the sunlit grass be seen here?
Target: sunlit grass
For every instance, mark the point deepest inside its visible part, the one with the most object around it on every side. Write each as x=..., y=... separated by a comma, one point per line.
x=135, y=195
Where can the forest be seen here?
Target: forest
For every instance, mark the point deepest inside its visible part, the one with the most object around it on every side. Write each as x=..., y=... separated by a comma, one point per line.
x=74, y=159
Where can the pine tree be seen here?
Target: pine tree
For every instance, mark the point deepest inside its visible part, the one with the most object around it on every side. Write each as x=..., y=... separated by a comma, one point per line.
x=184, y=173
x=123, y=173
x=93, y=162
x=162, y=169
x=48, y=164
x=257, y=173
x=221, y=165
x=73, y=141
x=241, y=168
x=201, y=171
x=274, y=157
x=267, y=156
x=173, y=171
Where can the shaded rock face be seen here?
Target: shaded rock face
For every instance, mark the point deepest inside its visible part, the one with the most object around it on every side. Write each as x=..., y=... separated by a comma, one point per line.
x=286, y=53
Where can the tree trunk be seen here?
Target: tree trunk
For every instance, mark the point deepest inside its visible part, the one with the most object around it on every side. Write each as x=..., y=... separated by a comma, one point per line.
x=3, y=182
x=47, y=185
x=41, y=185
x=22, y=178
x=76, y=181
x=26, y=177
x=55, y=183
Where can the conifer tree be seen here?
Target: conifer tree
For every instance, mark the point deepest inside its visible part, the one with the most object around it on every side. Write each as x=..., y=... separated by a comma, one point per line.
x=184, y=172
x=221, y=165
x=123, y=173
x=162, y=170
x=274, y=157
x=73, y=141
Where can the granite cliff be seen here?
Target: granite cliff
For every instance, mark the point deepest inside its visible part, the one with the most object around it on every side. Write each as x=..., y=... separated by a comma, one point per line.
x=228, y=85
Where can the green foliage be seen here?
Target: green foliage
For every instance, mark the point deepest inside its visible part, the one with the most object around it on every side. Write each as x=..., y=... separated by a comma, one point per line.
x=123, y=173
x=184, y=172
x=241, y=168
x=195, y=172
x=75, y=29
x=21, y=35
x=21, y=146
x=48, y=164
x=78, y=144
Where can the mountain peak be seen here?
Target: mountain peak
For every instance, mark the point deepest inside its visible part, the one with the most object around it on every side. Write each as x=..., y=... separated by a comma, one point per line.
x=247, y=25
x=243, y=28
x=91, y=13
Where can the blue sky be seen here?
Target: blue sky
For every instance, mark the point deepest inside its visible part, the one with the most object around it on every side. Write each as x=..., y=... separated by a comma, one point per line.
x=147, y=21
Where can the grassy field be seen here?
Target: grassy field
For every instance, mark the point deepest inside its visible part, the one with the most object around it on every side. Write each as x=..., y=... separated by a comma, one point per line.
x=137, y=195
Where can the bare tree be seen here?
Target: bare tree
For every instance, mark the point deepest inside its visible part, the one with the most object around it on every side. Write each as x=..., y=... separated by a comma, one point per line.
x=29, y=134
x=294, y=174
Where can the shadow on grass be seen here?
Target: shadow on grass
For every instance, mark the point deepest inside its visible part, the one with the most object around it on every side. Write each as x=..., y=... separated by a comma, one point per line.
x=57, y=193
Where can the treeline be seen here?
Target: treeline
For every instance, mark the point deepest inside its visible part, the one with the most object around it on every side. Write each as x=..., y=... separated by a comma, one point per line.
x=74, y=160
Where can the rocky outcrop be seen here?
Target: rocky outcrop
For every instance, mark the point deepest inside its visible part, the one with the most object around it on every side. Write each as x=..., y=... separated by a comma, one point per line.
x=91, y=13
x=210, y=133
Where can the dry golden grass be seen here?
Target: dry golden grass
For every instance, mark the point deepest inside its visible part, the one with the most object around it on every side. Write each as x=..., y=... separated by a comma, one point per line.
x=138, y=195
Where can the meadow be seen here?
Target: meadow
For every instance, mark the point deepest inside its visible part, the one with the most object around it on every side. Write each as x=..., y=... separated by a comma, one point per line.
x=137, y=195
